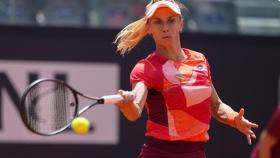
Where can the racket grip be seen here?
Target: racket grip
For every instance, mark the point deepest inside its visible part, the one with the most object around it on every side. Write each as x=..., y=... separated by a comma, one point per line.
x=111, y=99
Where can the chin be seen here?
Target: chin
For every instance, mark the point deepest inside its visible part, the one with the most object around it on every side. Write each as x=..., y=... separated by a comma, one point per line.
x=167, y=44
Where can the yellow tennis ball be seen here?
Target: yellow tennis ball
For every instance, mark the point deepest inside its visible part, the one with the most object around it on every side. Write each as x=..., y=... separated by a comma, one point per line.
x=80, y=125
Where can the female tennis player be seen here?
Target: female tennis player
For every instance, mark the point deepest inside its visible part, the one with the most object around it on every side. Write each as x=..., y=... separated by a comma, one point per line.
x=175, y=85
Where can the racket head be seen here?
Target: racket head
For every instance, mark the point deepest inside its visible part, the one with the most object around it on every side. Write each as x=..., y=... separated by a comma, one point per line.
x=48, y=106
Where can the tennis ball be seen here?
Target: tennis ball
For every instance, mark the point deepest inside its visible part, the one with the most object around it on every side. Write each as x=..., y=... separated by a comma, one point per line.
x=80, y=125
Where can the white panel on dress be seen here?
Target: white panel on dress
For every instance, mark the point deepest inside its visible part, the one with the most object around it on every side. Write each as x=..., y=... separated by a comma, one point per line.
x=196, y=94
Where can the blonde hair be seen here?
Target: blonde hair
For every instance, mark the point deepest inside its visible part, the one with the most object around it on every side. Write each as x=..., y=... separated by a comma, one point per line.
x=133, y=33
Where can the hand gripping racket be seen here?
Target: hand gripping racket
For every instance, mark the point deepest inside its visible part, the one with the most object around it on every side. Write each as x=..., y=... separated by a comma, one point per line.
x=48, y=106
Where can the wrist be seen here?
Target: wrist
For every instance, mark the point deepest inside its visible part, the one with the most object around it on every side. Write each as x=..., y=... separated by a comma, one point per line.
x=232, y=119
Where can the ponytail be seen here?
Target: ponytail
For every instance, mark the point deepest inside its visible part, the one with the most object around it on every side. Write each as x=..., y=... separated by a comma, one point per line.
x=131, y=35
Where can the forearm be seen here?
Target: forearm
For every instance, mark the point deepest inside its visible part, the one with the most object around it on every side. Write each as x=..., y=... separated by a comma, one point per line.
x=220, y=111
x=130, y=110
x=223, y=113
x=132, y=107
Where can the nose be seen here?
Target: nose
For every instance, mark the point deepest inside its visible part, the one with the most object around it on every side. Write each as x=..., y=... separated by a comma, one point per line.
x=165, y=27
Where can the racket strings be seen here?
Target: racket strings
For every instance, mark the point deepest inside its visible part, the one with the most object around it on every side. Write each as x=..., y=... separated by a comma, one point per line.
x=49, y=106
x=61, y=113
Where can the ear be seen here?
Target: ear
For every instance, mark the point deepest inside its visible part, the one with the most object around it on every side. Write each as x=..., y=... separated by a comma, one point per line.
x=181, y=24
x=148, y=29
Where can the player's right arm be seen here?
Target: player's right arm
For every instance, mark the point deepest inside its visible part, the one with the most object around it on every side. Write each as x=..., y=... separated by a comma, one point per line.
x=133, y=101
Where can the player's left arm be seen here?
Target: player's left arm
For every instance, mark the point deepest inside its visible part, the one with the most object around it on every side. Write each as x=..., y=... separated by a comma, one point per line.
x=225, y=114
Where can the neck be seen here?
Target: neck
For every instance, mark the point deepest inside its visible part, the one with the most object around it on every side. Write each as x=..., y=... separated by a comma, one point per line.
x=174, y=53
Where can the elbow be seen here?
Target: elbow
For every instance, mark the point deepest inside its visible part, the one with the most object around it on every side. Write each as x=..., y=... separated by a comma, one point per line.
x=135, y=114
x=133, y=118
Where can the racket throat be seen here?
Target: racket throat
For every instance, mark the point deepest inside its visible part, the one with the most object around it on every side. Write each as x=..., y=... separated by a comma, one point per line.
x=101, y=101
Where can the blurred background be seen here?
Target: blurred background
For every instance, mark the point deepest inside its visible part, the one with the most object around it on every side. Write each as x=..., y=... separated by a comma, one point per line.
x=72, y=39
x=218, y=16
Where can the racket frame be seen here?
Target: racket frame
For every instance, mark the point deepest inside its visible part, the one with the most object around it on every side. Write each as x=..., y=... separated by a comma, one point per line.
x=76, y=112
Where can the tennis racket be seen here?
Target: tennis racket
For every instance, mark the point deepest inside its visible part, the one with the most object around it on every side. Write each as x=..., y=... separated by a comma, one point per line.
x=48, y=106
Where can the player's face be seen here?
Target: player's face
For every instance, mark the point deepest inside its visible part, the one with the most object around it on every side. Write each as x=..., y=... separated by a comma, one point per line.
x=165, y=27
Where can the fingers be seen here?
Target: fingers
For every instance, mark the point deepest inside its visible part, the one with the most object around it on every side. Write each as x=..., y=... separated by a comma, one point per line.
x=128, y=96
x=251, y=132
x=250, y=124
x=245, y=126
x=246, y=130
x=249, y=139
x=254, y=136
x=253, y=125
x=242, y=121
x=241, y=113
x=249, y=136
x=121, y=92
